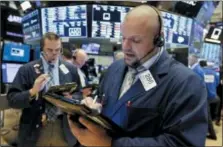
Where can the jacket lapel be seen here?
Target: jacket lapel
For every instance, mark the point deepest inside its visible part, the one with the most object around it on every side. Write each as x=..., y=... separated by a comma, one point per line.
x=137, y=89
x=120, y=72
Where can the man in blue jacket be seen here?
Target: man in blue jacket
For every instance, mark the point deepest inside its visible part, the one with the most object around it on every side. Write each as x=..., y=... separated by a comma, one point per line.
x=156, y=99
x=195, y=66
x=211, y=80
x=42, y=124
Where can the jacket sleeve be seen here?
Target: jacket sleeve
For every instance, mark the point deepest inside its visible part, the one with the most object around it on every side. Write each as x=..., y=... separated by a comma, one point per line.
x=18, y=94
x=76, y=79
x=185, y=119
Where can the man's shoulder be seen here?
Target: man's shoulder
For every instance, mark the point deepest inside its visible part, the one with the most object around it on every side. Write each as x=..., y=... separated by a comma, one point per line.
x=31, y=64
x=68, y=65
x=180, y=72
x=117, y=64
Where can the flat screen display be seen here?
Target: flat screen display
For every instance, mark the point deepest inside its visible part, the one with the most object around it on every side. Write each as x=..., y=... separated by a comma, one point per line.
x=16, y=52
x=91, y=48
x=69, y=21
x=9, y=71
x=31, y=26
x=106, y=20
x=212, y=53
x=177, y=29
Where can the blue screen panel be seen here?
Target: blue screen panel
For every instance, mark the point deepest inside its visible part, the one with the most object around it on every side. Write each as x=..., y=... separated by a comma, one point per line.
x=16, y=52
x=70, y=21
x=31, y=26
x=177, y=29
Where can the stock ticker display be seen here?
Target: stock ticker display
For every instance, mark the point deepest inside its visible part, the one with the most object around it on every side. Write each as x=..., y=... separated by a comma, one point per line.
x=177, y=29
x=106, y=21
x=31, y=26
x=212, y=53
x=69, y=21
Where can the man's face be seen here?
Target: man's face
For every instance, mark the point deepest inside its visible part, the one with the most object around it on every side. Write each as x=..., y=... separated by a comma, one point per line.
x=191, y=60
x=137, y=40
x=52, y=49
x=80, y=61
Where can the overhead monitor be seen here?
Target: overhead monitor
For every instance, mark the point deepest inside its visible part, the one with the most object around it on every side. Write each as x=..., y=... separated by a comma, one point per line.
x=106, y=21
x=16, y=52
x=31, y=26
x=177, y=29
x=9, y=71
x=69, y=21
x=91, y=48
x=212, y=53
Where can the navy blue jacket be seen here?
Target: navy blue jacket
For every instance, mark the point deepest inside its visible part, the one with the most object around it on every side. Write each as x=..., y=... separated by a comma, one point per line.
x=18, y=97
x=199, y=71
x=172, y=114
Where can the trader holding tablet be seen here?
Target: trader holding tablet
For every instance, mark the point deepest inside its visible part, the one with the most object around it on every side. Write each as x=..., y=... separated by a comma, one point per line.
x=40, y=123
x=159, y=101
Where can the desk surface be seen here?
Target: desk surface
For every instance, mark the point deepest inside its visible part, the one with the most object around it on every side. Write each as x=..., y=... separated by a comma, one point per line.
x=3, y=102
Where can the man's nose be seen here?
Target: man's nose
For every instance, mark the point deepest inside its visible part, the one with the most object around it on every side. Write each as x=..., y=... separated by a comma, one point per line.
x=126, y=44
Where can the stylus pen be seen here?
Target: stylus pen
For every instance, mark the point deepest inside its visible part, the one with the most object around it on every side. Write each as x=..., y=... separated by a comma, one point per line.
x=95, y=99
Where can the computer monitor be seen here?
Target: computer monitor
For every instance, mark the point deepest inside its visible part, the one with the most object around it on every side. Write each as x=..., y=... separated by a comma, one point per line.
x=106, y=20
x=66, y=21
x=212, y=53
x=176, y=28
x=16, y=52
x=31, y=26
x=9, y=71
x=91, y=48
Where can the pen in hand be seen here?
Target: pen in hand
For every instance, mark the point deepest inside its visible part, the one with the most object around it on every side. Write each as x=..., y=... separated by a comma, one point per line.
x=95, y=99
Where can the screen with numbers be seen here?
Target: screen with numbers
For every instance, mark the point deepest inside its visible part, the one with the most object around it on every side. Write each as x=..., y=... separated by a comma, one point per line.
x=177, y=29
x=106, y=21
x=212, y=53
x=69, y=21
x=31, y=26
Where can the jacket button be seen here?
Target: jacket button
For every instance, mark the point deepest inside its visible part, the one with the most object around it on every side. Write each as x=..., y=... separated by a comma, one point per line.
x=37, y=126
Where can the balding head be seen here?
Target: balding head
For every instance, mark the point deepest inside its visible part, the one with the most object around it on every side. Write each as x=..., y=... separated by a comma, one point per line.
x=80, y=57
x=192, y=59
x=141, y=25
x=146, y=16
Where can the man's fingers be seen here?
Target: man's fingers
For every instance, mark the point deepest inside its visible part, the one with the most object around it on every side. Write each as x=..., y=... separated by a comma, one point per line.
x=74, y=128
x=92, y=127
x=43, y=78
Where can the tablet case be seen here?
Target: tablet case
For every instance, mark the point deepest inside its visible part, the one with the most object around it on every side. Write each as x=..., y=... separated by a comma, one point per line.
x=74, y=107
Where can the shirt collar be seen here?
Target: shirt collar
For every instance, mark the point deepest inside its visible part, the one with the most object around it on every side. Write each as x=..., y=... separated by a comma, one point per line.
x=56, y=64
x=146, y=65
x=193, y=66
